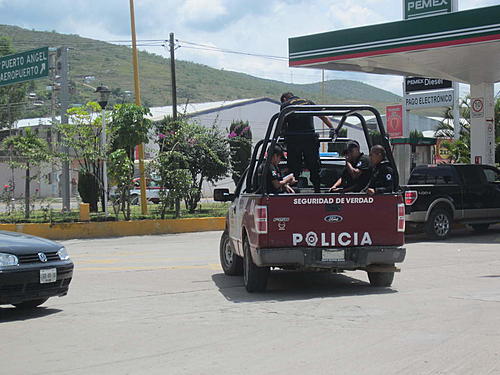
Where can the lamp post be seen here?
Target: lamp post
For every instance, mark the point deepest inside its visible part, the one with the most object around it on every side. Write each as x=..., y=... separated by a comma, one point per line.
x=104, y=93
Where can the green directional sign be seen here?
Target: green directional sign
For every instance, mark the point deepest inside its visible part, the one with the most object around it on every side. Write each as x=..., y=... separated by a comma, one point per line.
x=24, y=66
x=423, y=8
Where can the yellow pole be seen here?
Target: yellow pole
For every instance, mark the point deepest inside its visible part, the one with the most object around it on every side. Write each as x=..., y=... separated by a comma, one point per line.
x=137, y=88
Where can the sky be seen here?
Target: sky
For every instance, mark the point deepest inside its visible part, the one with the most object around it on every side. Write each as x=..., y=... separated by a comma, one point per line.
x=259, y=27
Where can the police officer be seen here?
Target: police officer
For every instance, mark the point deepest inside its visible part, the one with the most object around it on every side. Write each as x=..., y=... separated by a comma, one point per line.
x=357, y=171
x=382, y=180
x=275, y=182
x=302, y=141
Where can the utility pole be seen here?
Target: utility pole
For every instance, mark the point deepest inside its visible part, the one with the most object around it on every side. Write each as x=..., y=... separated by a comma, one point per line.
x=137, y=91
x=172, y=72
x=63, y=69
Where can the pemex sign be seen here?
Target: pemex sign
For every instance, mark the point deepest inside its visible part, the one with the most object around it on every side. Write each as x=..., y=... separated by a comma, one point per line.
x=24, y=66
x=423, y=8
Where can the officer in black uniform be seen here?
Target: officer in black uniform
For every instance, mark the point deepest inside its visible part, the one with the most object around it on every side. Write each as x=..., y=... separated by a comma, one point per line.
x=382, y=180
x=357, y=171
x=301, y=140
x=275, y=183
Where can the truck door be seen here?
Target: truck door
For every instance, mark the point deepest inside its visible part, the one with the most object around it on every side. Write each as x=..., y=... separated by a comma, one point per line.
x=476, y=192
x=492, y=175
x=236, y=212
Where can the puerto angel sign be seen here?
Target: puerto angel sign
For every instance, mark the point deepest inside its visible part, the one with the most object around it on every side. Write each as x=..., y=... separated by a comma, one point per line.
x=24, y=66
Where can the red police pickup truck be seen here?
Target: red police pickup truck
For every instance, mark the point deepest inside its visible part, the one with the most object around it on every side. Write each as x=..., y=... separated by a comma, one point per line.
x=307, y=230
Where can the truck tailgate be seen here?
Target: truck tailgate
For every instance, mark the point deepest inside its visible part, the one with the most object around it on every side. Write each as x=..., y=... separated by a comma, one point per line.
x=334, y=220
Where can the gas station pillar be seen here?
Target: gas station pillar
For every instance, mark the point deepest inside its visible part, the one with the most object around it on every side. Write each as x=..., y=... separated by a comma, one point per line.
x=482, y=115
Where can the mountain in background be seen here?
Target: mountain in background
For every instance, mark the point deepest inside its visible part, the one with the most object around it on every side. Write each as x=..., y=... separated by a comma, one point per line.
x=111, y=65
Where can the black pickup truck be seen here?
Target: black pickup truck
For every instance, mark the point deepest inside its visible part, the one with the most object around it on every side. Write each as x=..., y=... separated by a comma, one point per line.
x=438, y=195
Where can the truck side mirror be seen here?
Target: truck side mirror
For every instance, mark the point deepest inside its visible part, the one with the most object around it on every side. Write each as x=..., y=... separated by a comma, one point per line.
x=223, y=195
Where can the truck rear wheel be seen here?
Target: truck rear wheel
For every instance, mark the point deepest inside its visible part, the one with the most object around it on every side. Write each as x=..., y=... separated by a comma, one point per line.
x=255, y=277
x=231, y=263
x=438, y=226
x=381, y=279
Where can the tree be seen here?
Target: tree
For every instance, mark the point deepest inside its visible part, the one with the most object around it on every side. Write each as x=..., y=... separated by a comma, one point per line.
x=12, y=96
x=175, y=180
x=240, y=146
x=129, y=127
x=82, y=136
x=205, y=150
x=29, y=151
x=121, y=172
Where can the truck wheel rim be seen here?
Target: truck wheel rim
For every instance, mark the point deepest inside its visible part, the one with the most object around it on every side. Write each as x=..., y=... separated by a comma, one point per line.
x=228, y=254
x=441, y=225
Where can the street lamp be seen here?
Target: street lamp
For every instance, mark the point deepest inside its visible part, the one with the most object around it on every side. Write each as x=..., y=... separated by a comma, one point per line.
x=104, y=93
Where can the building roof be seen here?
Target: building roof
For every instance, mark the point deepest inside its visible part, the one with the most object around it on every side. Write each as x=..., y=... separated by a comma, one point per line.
x=158, y=113
x=461, y=46
x=195, y=109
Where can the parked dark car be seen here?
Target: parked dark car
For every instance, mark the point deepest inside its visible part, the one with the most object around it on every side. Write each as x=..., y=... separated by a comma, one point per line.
x=438, y=195
x=32, y=270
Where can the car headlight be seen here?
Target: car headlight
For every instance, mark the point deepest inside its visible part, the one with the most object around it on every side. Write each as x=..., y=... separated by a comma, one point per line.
x=8, y=260
x=63, y=253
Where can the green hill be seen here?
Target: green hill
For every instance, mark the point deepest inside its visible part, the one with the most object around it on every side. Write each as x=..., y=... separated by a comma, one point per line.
x=112, y=65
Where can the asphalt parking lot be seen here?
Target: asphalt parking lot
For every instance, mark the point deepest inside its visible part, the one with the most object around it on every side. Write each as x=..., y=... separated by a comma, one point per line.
x=161, y=305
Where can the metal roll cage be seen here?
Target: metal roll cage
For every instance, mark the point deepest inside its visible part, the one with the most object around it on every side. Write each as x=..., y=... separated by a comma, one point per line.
x=277, y=121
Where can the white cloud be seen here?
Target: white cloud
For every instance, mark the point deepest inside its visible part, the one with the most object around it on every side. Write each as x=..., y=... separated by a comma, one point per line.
x=193, y=11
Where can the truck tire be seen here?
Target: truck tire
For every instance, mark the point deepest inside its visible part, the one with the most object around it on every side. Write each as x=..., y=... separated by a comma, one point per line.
x=381, y=279
x=480, y=228
x=231, y=263
x=255, y=277
x=30, y=304
x=438, y=226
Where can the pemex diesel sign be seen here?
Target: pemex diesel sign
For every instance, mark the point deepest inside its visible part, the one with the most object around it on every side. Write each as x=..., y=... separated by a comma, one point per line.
x=423, y=8
x=24, y=66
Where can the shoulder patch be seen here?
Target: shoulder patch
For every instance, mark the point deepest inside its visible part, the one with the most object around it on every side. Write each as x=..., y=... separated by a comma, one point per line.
x=388, y=177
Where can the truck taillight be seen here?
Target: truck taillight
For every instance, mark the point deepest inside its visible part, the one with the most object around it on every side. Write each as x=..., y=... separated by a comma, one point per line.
x=410, y=197
x=260, y=216
x=401, y=217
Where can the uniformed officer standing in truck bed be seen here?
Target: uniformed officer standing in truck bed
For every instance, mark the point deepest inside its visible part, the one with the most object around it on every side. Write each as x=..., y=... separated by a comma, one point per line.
x=301, y=140
x=382, y=180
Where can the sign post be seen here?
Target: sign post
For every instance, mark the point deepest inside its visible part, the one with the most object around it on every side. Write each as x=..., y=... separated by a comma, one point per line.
x=24, y=66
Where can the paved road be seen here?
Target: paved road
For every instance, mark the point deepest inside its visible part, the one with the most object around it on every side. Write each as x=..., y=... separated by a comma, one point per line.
x=161, y=305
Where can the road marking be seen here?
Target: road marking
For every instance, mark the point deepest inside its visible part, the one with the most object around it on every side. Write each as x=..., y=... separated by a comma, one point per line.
x=214, y=267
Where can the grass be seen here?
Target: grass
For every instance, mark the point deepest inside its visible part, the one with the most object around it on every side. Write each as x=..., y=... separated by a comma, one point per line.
x=211, y=209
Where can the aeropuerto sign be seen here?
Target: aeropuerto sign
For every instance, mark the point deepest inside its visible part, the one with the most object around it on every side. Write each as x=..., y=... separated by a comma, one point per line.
x=423, y=8
x=435, y=99
x=414, y=84
x=24, y=66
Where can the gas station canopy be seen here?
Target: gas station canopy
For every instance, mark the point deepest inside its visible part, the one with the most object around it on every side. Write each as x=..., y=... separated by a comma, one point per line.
x=461, y=46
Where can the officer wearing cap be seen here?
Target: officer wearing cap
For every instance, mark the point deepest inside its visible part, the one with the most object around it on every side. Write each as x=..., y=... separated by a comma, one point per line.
x=357, y=170
x=275, y=183
x=302, y=140
x=382, y=180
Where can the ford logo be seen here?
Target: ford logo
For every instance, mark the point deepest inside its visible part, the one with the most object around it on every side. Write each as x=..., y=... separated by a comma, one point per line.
x=333, y=219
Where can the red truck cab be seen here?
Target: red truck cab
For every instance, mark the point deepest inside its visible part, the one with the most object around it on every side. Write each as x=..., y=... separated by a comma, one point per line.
x=310, y=231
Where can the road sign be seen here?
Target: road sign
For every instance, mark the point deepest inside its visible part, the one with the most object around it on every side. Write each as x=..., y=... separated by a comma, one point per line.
x=424, y=8
x=443, y=98
x=394, y=117
x=477, y=105
x=414, y=84
x=24, y=66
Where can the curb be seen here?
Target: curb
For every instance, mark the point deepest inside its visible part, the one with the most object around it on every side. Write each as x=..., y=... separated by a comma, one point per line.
x=66, y=231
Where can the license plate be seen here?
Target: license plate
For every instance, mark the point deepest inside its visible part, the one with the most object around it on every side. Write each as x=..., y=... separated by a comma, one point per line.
x=333, y=256
x=48, y=276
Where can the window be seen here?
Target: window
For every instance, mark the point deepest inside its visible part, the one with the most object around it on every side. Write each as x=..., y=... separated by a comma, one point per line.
x=432, y=176
x=492, y=174
x=472, y=174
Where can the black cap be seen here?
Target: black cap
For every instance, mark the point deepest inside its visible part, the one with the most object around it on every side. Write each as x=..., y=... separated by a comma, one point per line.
x=277, y=150
x=350, y=146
